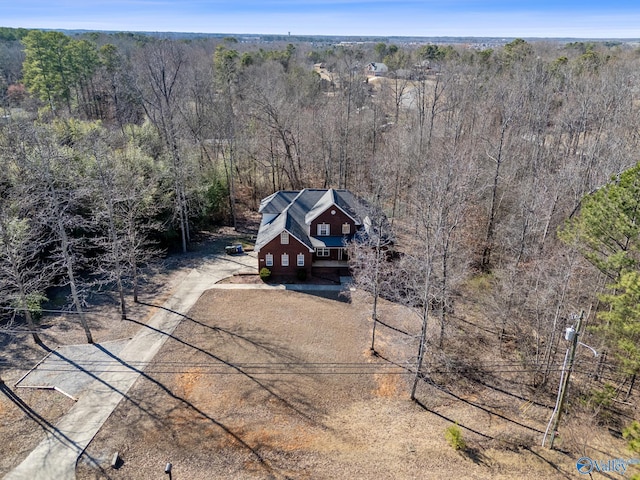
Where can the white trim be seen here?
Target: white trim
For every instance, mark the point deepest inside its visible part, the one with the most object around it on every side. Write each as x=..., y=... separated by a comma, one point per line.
x=310, y=220
x=275, y=235
x=268, y=260
x=320, y=228
x=323, y=250
x=300, y=257
x=284, y=259
x=284, y=237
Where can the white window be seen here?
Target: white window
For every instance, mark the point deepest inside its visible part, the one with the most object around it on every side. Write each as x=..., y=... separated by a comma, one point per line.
x=284, y=238
x=268, y=259
x=322, y=252
x=346, y=228
x=285, y=259
x=324, y=229
x=300, y=260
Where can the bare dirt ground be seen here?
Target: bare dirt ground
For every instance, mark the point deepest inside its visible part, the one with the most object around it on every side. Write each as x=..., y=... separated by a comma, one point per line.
x=282, y=385
x=261, y=384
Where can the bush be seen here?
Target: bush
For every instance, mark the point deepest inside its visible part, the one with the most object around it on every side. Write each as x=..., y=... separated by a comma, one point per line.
x=453, y=434
x=600, y=402
x=34, y=305
x=632, y=435
x=265, y=273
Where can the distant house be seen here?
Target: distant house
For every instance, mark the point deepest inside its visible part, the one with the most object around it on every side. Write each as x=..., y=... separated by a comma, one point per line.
x=327, y=79
x=307, y=230
x=377, y=69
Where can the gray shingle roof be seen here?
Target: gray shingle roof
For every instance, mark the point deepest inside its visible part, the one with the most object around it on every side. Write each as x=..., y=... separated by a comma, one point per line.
x=277, y=202
x=294, y=211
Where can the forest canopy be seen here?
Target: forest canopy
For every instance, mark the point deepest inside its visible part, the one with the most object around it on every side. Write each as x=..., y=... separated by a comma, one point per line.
x=117, y=146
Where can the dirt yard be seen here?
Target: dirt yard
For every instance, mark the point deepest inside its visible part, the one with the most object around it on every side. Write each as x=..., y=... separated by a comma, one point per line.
x=259, y=384
x=282, y=385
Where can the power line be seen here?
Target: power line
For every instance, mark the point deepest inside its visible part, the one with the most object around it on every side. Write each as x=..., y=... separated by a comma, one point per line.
x=283, y=368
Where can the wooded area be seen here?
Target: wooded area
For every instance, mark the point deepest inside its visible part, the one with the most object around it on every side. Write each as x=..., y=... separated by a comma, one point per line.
x=115, y=147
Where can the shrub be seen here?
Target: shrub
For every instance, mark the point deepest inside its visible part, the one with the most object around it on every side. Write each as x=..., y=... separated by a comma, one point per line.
x=34, y=305
x=600, y=402
x=453, y=434
x=265, y=273
x=632, y=435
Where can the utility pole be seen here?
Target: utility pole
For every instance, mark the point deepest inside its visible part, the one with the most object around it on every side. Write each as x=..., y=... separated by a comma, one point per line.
x=571, y=335
x=376, y=290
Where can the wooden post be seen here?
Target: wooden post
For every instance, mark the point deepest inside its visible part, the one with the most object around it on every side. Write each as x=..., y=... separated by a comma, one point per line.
x=565, y=383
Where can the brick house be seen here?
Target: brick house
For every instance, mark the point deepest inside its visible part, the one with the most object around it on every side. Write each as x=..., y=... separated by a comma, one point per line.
x=307, y=230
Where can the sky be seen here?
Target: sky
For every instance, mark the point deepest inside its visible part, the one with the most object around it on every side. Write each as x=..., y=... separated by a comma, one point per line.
x=424, y=18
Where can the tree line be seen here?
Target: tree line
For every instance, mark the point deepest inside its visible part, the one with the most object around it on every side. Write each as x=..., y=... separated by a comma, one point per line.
x=476, y=157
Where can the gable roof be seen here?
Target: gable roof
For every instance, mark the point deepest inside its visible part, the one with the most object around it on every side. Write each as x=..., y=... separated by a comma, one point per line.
x=342, y=199
x=377, y=67
x=294, y=211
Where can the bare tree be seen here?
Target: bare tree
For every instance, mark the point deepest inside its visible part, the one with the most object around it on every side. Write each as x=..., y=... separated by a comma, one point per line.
x=23, y=276
x=48, y=173
x=369, y=257
x=123, y=209
x=159, y=86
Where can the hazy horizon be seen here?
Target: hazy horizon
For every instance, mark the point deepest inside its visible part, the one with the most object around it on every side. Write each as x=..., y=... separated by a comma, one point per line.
x=401, y=18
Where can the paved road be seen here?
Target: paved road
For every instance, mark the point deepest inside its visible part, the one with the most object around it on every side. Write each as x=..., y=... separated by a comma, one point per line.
x=56, y=456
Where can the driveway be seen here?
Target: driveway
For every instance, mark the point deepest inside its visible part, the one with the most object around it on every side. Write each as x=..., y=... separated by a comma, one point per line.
x=56, y=456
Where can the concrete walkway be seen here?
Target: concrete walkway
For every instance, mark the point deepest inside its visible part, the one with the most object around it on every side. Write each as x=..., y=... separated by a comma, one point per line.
x=56, y=456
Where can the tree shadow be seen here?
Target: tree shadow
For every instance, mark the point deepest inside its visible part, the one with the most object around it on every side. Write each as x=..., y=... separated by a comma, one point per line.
x=42, y=422
x=428, y=381
x=450, y=420
x=505, y=392
x=18, y=349
x=196, y=259
x=476, y=456
x=267, y=349
x=95, y=464
x=549, y=462
x=236, y=437
x=391, y=327
x=232, y=259
x=101, y=381
x=231, y=365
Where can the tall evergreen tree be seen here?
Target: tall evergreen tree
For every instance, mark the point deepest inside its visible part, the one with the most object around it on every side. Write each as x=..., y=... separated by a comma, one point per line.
x=607, y=228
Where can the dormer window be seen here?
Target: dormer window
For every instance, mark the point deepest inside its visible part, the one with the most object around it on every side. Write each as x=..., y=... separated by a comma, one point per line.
x=284, y=238
x=324, y=230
